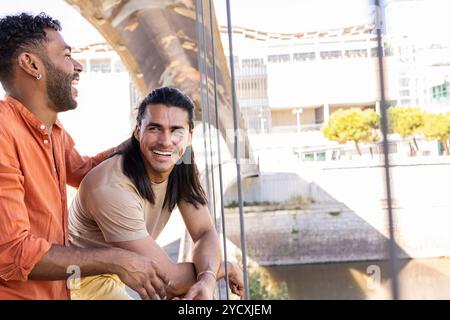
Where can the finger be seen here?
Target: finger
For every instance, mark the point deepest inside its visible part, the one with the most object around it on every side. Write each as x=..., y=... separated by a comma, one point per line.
x=191, y=294
x=150, y=291
x=143, y=294
x=159, y=287
x=161, y=274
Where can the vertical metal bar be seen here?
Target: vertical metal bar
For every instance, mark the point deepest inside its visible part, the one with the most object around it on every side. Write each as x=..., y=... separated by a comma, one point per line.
x=208, y=105
x=384, y=130
x=216, y=109
x=200, y=68
x=237, y=153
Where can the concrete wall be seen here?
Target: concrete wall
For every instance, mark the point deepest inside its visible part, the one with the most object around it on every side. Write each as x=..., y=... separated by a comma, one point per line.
x=348, y=221
x=273, y=187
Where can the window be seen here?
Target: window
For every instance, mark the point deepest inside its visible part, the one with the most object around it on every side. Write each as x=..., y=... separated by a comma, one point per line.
x=304, y=56
x=404, y=82
x=327, y=55
x=252, y=63
x=101, y=65
x=374, y=52
x=279, y=58
x=441, y=91
x=308, y=157
x=119, y=66
x=357, y=53
x=404, y=93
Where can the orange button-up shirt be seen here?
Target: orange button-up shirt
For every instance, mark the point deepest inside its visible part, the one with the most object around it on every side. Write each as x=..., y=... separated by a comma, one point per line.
x=33, y=200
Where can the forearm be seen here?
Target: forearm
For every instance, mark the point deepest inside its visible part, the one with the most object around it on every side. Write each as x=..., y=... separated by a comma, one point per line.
x=184, y=277
x=181, y=276
x=54, y=265
x=231, y=269
x=206, y=253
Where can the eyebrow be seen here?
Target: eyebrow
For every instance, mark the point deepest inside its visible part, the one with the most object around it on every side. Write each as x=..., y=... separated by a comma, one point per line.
x=67, y=47
x=154, y=124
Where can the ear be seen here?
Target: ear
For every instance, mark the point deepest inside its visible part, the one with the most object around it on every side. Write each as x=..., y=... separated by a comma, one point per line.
x=30, y=64
x=136, y=132
x=190, y=137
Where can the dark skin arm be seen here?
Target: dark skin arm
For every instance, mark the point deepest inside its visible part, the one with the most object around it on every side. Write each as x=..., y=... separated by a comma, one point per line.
x=138, y=272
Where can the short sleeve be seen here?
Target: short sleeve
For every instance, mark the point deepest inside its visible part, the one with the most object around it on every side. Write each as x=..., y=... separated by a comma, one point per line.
x=118, y=211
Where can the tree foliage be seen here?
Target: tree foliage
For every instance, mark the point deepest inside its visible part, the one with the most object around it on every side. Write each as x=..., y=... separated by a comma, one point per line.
x=406, y=121
x=353, y=125
x=437, y=127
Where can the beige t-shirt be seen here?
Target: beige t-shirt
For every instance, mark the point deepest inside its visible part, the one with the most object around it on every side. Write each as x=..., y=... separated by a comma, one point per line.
x=108, y=208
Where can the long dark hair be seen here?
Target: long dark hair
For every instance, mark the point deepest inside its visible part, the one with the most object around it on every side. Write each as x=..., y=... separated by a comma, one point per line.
x=184, y=183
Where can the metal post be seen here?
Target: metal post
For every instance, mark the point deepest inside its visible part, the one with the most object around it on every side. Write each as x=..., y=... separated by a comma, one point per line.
x=384, y=130
x=202, y=98
x=216, y=106
x=237, y=153
x=208, y=106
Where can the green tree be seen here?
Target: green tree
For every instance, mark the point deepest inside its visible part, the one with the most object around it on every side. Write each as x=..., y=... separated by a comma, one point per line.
x=353, y=125
x=406, y=121
x=437, y=127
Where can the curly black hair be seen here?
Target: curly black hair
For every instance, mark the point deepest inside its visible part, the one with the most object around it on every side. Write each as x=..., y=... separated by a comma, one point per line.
x=18, y=33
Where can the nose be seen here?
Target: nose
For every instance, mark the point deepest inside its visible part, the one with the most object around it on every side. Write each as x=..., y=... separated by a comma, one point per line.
x=165, y=138
x=78, y=67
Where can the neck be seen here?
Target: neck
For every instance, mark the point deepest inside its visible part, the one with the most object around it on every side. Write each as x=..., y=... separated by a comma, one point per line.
x=155, y=177
x=158, y=177
x=38, y=105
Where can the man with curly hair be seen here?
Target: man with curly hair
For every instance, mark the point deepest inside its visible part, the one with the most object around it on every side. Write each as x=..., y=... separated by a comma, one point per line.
x=37, y=160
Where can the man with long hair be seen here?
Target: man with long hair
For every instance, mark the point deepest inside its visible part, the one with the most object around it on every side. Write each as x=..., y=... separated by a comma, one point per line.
x=126, y=201
x=37, y=160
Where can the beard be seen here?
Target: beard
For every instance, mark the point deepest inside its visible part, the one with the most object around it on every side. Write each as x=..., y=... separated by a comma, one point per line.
x=59, y=88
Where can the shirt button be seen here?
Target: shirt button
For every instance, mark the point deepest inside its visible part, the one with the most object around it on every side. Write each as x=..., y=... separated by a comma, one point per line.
x=46, y=141
x=42, y=127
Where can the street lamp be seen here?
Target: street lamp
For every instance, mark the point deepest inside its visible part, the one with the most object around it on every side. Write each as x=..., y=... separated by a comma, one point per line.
x=297, y=112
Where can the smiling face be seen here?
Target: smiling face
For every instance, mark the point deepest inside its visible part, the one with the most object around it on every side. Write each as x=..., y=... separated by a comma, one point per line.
x=62, y=73
x=163, y=136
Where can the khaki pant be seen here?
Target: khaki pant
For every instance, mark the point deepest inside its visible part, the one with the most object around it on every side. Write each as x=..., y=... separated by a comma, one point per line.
x=100, y=287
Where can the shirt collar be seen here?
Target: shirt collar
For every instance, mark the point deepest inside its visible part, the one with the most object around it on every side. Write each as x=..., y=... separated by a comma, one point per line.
x=27, y=114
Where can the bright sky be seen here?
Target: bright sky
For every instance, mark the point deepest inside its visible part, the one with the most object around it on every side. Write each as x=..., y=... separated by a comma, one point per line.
x=75, y=29
x=294, y=15
x=266, y=15
x=426, y=17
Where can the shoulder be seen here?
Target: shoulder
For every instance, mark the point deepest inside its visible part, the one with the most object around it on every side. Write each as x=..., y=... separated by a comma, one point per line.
x=106, y=186
x=7, y=119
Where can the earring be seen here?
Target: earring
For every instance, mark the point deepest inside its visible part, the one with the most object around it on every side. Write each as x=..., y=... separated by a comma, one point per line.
x=38, y=76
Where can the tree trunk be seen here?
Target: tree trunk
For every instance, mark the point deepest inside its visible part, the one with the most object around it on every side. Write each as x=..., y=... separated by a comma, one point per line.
x=415, y=144
x=444, y=143
x=357, y=148
x=412, y=151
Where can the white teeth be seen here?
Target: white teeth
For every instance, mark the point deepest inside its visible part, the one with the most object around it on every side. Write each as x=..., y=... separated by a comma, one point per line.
x=74, y=82
x=162, y=153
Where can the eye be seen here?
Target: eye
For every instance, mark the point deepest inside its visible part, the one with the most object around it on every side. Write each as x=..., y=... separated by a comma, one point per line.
x=153, y=129
x=68, y=57
x=178, y=132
